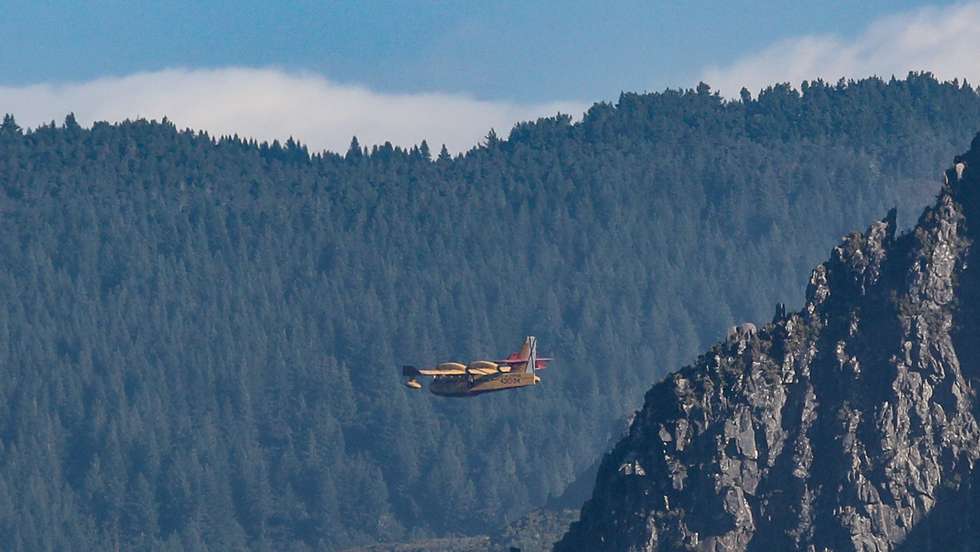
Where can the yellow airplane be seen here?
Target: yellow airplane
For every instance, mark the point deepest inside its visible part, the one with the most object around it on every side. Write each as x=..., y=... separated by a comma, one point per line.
x=453, y=379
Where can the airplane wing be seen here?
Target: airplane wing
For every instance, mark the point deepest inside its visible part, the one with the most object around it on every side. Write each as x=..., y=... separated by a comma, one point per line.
x=475, y=368
x=484, y=368
x=441, y=372
x=444, y=369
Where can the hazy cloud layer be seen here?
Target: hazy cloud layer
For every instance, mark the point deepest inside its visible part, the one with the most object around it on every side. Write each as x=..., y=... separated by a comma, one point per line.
x=941, y=40
x=271, y=104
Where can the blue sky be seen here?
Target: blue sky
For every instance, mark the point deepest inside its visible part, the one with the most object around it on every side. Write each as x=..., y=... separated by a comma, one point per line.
x=520, y=50
x=445, y=71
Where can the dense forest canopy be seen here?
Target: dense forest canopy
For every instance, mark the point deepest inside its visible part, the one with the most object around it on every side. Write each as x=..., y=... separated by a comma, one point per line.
x=201, y=336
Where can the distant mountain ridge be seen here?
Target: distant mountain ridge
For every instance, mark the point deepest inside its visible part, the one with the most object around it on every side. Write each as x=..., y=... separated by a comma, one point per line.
x=849, y=425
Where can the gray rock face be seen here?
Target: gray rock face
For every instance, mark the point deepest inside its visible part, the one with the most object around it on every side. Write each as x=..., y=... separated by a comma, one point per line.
x=850, y=425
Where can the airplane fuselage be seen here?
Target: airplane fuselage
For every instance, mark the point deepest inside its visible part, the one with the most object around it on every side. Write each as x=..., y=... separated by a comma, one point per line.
x=455, y=379
x=468, y=386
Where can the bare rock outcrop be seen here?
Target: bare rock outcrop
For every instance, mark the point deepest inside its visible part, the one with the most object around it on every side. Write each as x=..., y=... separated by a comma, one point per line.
x=849, y=425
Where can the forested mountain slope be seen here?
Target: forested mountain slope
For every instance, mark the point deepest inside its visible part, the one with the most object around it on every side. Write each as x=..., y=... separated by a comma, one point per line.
x=849, y=425
x=200, y=338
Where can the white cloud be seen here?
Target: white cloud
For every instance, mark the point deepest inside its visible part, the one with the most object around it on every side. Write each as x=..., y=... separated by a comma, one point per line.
x=272, y=104
x=942, y=40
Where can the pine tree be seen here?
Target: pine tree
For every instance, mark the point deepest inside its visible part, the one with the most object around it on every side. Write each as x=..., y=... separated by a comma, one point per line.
x=9, y=126
x=354, y=152
x=444, y=155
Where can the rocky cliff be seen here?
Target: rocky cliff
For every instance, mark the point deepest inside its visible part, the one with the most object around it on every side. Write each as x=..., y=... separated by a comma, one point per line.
x=850, y=425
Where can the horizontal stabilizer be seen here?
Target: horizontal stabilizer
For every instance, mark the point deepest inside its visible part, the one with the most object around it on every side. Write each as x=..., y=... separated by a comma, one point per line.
x=542, y=361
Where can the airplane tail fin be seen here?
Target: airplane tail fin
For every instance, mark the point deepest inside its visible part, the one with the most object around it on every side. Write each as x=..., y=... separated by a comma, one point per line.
x=531, y=343
x=527, y=359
